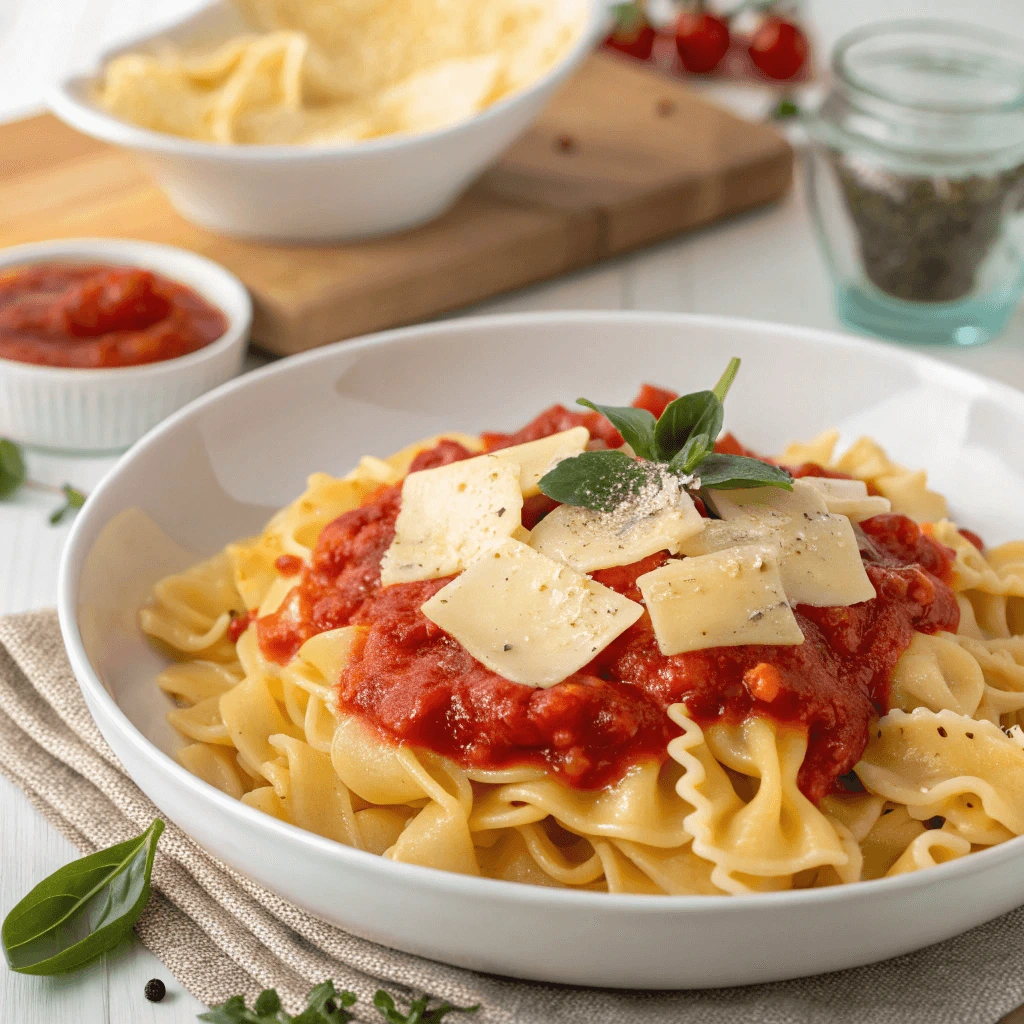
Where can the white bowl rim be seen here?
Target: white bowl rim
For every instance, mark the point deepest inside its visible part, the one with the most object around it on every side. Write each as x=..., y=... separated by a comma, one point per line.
x=435, y=879
x=60, y=98
x=225, y=290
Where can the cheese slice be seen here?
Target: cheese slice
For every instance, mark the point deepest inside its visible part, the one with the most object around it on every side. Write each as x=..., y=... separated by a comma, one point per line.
x=849, y=498
x=452, y=515
x=535, y=458
x=528, y=618
x=817, y=554
x=761, y=501
x=724, y=599
x=586, y=540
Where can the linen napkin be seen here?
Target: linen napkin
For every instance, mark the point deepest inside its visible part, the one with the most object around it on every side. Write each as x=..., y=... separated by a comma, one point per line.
x=221, y=934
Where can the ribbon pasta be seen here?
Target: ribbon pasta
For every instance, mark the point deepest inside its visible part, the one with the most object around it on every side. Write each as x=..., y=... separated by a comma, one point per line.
x=942, y=774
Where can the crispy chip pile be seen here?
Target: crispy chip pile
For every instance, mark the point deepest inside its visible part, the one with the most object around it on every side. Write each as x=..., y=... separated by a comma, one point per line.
x=327, y=71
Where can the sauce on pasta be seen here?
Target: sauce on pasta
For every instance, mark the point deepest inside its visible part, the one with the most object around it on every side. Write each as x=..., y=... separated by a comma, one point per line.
x=95, y=316
x=419, y=686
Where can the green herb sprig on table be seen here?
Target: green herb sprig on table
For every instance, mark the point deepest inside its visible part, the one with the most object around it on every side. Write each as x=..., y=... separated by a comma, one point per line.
x=680, y=442
x=14, y=476
x=326, y=1005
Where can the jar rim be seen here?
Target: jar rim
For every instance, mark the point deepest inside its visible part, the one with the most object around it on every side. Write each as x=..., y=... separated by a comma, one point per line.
x=1008, y=46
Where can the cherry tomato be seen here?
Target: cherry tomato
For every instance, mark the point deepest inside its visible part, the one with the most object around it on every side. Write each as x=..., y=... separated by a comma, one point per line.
x=635, y=39
x=778, y=48
x=702, y=40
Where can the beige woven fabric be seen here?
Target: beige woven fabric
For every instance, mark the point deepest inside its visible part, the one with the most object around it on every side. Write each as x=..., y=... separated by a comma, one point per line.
x=221, y=934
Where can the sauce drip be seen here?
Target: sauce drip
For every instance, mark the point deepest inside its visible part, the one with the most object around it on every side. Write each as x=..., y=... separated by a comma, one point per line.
x=415, y=684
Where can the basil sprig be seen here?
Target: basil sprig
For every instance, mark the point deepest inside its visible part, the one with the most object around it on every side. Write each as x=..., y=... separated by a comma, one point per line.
x=14, y=476
x=681, y=439
x=83, y=909
x=326, y=1005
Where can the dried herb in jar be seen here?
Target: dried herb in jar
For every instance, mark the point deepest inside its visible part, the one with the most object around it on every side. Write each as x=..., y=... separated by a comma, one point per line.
x=921, y=238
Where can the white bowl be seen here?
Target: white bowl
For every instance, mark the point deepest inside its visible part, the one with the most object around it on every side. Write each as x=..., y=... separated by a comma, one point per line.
x=305, y=193
x=242, y=452
x=109, y=409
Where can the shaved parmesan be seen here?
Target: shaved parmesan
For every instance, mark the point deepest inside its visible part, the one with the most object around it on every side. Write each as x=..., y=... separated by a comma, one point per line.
x=770, y=501
x=535, y=458
x=586, y=540
x=528, y=618
x=850, y=498
x=725, y=599
x=450, y=516
x=817, y=554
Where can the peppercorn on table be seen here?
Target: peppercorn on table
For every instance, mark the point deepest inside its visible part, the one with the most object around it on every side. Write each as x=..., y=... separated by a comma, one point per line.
x=764, y=265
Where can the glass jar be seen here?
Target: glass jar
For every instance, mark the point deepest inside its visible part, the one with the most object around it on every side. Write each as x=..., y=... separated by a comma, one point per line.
x=916, y=180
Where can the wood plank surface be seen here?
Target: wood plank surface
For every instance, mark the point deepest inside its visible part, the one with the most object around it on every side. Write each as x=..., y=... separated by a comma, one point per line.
x=623, y=157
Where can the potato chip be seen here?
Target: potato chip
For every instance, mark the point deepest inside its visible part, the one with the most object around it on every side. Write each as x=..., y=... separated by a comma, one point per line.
x=316, y=72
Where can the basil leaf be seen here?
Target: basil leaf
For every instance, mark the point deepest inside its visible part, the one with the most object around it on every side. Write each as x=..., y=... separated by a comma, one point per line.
x=231, y=1011
x=12, y=468
x=268, y=1002
x=728, y=472
x=326, y=1005
x=74, y=499
x=418, y=1012
x=83, y=909
x=698, y=413
x=596, y=480
x=635, y=425
x=721, y=389
x=696, y=449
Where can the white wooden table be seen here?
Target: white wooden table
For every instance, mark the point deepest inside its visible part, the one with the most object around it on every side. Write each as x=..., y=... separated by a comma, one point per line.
x=764, y=265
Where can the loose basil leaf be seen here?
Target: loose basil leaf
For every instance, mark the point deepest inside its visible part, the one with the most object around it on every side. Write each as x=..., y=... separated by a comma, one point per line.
x=698, y=413
x=596, y=480
x=728, y=472
x=635, y=425
x=418, y=1012
x=688, y=459
x=12, y=468
x=721, y=389
x=83, y=909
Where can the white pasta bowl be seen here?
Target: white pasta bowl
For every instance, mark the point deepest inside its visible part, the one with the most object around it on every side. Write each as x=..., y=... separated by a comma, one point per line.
x=294, y=193
x=218, y=469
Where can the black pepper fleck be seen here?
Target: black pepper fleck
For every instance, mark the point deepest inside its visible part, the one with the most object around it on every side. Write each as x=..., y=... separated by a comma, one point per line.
x=501, y=512
x=507, y=647
x=969, y=735
x=155, y=990
x=932, y=823
x=942, y=732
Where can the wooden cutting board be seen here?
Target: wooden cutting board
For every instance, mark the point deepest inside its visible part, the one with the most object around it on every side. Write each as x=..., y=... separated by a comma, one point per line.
x=622, y=157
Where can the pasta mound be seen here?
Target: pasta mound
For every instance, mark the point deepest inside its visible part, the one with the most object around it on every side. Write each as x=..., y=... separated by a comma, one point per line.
x=942, y=774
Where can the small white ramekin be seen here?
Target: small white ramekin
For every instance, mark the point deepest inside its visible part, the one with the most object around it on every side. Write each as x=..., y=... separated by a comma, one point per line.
x=106, y=410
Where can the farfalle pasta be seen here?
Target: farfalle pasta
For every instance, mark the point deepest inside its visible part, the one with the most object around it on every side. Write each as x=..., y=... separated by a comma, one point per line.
x=564, y=722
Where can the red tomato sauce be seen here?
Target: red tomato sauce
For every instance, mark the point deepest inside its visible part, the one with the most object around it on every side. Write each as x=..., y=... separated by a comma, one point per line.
x=91, y=316
x=415, y=684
